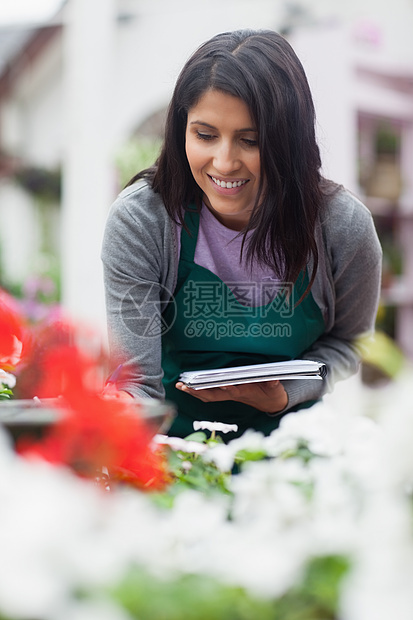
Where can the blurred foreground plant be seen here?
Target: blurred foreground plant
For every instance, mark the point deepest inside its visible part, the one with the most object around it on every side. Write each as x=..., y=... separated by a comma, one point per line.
x=91, y=431
x=315, y=525
x=380, y=351
x=15, y=341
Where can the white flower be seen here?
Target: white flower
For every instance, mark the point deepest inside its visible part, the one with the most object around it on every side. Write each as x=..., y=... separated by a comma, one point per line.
x=7, y=379
x=326, y=432
x=215, y=426
x=221, y=455
x=59, y=534
x=93, y=609
x=56, y=535
x=251, y=441
x=379, y=586
x=243, y=554
x=177, y=443
x=224, y=455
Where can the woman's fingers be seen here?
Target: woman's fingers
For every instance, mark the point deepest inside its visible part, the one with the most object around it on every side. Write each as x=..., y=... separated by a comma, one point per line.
x=268, y=396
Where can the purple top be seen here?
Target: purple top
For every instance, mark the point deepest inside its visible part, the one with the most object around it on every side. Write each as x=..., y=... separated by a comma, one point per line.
x=218, y=249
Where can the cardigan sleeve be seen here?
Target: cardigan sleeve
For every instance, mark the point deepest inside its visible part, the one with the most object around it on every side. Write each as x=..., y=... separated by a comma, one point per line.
x=352, y=277
x=139, y=260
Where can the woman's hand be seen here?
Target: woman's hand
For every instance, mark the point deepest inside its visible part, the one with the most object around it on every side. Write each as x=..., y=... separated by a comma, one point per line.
x=268, y=396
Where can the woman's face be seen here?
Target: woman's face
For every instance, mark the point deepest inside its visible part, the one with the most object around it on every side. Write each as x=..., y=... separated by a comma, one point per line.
x=223, y=154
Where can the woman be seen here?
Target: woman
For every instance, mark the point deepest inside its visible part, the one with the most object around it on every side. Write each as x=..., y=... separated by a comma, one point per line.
x=233, y=249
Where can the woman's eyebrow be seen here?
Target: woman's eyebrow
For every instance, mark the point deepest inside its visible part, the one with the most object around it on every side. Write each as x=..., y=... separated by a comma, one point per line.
x=204, y=124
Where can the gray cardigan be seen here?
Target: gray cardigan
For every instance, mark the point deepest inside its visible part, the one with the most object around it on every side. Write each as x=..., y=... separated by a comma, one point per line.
x=140, y=258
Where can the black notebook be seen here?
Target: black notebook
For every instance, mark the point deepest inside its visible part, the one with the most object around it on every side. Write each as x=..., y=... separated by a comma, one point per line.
x=217, y=377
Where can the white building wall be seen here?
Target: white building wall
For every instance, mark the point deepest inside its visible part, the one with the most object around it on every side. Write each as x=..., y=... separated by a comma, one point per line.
x=331, y=80
x=37, y=105
x=88, y=167
x=20, y=239
x=43, y=142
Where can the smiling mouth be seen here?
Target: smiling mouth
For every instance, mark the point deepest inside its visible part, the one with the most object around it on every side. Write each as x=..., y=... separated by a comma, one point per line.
x=228, y=184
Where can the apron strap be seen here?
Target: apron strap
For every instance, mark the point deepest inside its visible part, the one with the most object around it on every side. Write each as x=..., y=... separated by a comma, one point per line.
x=188, y=240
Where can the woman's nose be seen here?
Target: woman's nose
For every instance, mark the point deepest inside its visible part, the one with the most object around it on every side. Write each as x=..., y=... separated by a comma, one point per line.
x=226, y=158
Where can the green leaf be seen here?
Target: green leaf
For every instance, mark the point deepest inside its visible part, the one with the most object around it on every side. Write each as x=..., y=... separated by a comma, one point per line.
x=189, y=597
x=249, y=455
x=5, y=393
x=199, y=437
x=316, y=598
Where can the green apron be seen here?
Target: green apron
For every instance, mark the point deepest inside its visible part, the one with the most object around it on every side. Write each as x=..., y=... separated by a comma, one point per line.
x=210, y=328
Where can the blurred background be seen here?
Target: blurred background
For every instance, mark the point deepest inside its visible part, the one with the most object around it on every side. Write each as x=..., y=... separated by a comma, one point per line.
x=84, y=86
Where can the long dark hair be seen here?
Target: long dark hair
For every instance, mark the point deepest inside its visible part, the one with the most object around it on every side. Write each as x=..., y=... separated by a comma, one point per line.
x=261, y=68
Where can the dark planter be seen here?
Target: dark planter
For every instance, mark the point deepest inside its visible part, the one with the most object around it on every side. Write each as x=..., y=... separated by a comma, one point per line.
x=32, y=418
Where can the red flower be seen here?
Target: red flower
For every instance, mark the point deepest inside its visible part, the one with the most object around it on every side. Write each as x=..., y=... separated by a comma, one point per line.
x=94, y=431
x=98, y=432
x=14, y=335
x=57, y=366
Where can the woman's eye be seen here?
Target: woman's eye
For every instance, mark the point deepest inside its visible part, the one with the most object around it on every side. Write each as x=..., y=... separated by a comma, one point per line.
x=204, y=136
x=250, y=142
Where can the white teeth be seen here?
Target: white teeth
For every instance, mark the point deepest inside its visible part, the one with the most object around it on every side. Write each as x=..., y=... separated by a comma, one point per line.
x=229, y=184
